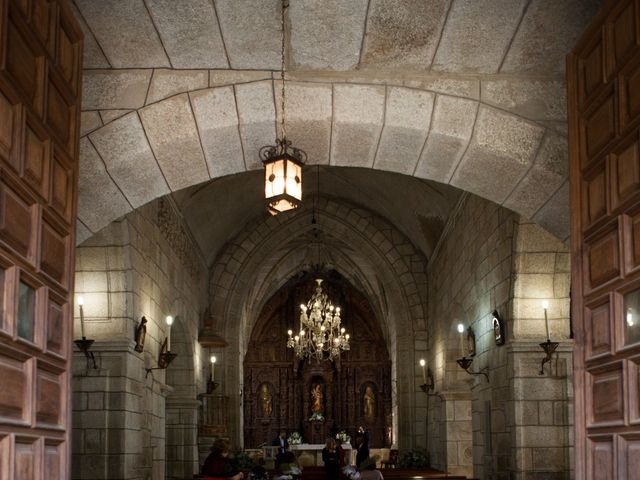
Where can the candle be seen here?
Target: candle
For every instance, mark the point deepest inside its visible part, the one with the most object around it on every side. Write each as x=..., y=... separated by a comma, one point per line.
x=424, y=372
x=169, y=323
x=461, y=331
x=213, y=367
x=80, y=304
x=545, y=306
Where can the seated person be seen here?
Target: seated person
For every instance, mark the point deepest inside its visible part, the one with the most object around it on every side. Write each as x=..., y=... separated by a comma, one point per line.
x=368, y=470
x=289, y=467
x=258, y=472
x=218, y=464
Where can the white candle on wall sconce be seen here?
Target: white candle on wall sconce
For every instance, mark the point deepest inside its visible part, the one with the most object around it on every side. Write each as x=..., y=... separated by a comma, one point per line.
x=80, y=304
x=169, y=321
x=213, y=367
x=461, y=331
x=424, y=372
x=545, y=306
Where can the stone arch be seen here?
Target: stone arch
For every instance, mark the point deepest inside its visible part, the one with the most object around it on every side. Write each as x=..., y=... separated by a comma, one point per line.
x=378, y=251
x=499, y=149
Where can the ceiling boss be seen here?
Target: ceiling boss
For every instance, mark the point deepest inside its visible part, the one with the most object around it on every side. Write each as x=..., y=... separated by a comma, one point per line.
x=321, y=335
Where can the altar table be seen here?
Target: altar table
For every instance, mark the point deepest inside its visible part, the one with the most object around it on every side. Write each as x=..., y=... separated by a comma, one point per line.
x=312, y=453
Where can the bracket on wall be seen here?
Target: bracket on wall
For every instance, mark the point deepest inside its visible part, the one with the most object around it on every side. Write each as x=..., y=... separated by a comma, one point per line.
x=549, y=348
x=164, y=359
x=465, y=364
x=84, y=345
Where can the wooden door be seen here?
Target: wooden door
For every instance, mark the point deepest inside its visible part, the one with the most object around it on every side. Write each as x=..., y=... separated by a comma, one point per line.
x=604, y=119
x=40, y=62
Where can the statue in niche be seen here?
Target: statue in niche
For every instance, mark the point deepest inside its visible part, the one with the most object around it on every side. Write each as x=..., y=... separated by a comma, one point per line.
x=266, y=401
x=369, y=402
x=141, y=334
x=316, y=398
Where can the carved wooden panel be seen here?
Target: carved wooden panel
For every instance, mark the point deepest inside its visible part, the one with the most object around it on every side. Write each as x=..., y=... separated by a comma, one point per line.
x=595, y=194
x=603, y=75
x=598, y=127
x=602, y=258
x=599, y=339
x=607, y=403
x=17, y=218
x=601, y=465
x=629, y=96
x=26, y=459
x=590, y=68
x=625, y=172
x=49, y=398
x=40, y=62
x=16, y=381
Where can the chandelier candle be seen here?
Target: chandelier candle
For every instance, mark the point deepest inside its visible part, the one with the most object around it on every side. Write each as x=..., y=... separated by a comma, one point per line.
x=80, y=304
x=461, y=331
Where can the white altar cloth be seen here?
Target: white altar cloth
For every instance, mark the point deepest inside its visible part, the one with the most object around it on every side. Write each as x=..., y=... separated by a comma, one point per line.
x=315, y=449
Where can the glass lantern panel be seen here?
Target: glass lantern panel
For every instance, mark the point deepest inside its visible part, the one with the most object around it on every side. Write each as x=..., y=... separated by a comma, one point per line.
x=294, y=180
x=268, y=184
x=26, y=311
x=632, y=317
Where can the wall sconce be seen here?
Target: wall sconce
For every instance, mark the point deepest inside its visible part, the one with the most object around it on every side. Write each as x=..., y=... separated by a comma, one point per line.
x=166, y=356
x=211, y=384
x=427, y=377
x=549, y=347
x=84, y=344
x=465, y=362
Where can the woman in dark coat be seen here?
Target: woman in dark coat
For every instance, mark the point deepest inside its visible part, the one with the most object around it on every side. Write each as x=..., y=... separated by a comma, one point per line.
x=331, y=459
x=218, y=464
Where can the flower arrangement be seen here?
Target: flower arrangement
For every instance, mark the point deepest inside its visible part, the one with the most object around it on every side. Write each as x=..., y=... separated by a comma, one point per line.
x=351, y=472
x=343, y=437
x=316, y=417
x=295, y=439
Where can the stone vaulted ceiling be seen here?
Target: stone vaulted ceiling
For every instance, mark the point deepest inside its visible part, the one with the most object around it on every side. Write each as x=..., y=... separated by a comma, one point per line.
x=463, y=92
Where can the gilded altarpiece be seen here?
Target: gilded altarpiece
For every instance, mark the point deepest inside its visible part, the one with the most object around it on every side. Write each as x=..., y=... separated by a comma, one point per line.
x=282, y=392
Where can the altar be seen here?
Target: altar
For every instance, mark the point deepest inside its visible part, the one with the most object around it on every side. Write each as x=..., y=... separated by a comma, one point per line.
x=310, y=454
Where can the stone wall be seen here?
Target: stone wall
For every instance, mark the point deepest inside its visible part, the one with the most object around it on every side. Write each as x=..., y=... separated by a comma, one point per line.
x=144, y=264
x=489, y=259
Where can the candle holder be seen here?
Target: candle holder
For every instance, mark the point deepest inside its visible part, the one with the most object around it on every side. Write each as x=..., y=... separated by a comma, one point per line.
x=164, y=359
x=84, y=345
x=549, y=348
x=429, y=382
x=211, y=386
x=465, y=364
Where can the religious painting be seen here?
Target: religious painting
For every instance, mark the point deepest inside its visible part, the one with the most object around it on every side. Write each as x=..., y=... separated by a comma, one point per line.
x=265, y=400
x=498, y=328
x=369, y=400
x=317, y=398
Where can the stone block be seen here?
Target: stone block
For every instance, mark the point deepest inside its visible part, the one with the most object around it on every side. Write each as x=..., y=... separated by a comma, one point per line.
x=403, y=34
x=550, y=459
x=166, y=83
x=124, y=148
x=554, y=215
x=533, y=238
x=252, y=41
x=125, y=33
x=217, y=118
x=256, y=112
x=548, y=30
x=546, y=413
x=89, y=121
x=327, y=35
x=189, y=32
x=109, y=89
x=358, y=117
x=536, y=99
x=407, y=121
x=466, y=48
x=453, y=120
x=501, y=151
x=173, y=135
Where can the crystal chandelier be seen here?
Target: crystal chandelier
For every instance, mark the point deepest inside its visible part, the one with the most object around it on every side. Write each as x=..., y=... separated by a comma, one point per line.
x=321, y=334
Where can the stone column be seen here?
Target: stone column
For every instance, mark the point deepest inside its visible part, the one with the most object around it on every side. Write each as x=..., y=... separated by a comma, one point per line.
x=182, y=437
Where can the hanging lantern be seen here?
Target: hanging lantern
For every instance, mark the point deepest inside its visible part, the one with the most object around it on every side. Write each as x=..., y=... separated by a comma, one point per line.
x=282, y=176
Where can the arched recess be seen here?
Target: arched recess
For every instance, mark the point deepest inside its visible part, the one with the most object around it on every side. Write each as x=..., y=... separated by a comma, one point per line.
x=365, y=249
x=493, y=149
x=287, y=402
